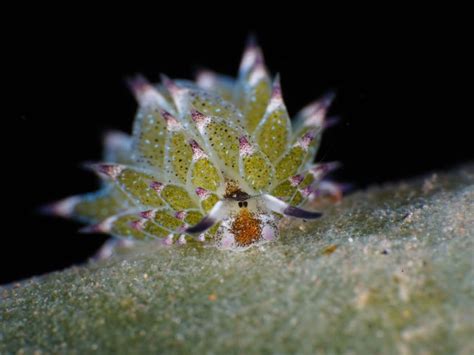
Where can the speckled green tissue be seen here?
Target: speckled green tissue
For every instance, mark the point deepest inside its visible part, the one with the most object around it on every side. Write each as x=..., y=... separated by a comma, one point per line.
x=389, y=270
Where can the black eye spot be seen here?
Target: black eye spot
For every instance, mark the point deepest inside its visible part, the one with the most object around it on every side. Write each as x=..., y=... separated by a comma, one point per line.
x=240, y=204
x=245, y=204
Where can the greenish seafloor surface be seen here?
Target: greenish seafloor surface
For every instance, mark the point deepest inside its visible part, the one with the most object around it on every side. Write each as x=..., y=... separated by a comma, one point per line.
x=389, y=270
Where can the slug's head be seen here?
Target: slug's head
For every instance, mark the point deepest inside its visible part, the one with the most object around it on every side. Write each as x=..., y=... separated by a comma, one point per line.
x=247, y=220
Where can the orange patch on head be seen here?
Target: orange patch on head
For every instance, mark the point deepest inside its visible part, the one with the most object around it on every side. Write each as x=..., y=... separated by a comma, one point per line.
x=246, y=228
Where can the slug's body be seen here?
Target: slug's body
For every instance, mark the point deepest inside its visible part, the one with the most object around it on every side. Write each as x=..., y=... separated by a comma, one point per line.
x=217, y=160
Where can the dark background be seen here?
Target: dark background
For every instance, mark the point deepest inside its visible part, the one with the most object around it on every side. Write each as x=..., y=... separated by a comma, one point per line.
x=397, y=100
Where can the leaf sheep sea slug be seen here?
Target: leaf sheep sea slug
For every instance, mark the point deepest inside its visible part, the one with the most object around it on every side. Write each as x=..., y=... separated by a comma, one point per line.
x=217, y=160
